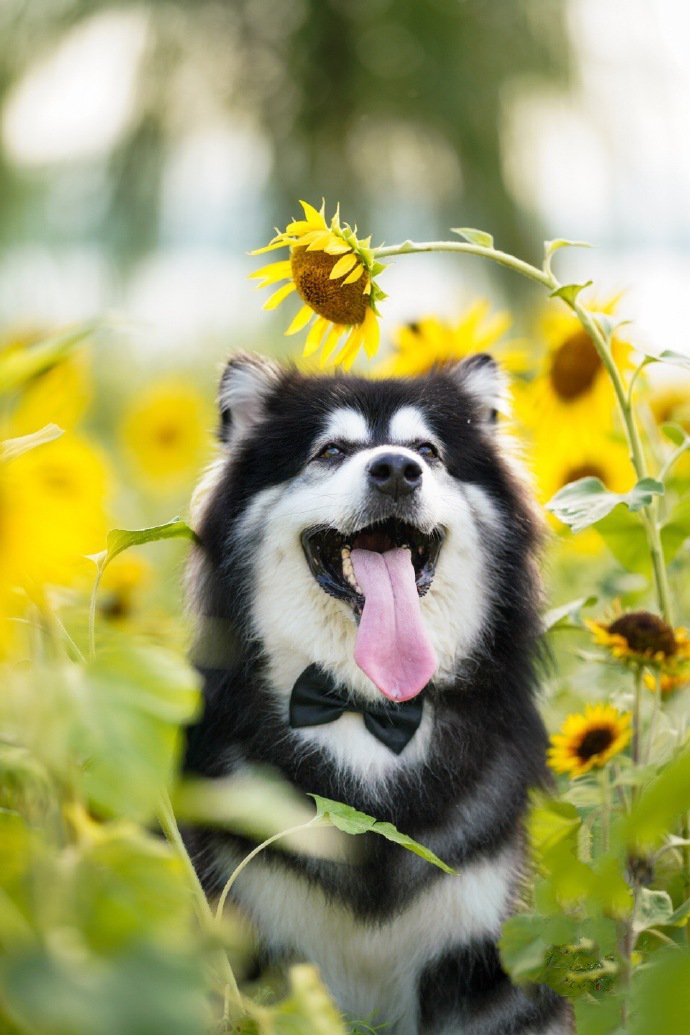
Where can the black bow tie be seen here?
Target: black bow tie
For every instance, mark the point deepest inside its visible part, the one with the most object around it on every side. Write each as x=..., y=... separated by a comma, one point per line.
x=316, y=700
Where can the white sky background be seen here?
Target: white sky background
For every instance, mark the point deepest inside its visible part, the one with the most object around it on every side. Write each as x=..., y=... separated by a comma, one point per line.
x=608, y=163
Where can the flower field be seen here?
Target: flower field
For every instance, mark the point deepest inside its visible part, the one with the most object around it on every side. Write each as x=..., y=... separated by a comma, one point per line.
x=104, y=929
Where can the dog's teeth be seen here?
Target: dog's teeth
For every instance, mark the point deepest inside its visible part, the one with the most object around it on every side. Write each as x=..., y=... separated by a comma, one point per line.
x=349, y=572
x=345, y=552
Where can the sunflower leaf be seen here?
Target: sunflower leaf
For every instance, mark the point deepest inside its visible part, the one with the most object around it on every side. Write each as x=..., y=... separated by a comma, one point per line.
x=567, y=616
x=584, y=502
x=675, y=434
x=569, y=292
x=652, y=908
x=120, y=539
x=560, y=242
x=479, y=237
x=672, y=356
x=351, y=821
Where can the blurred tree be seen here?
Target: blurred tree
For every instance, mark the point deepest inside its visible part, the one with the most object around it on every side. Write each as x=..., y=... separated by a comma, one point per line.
x=393, y=106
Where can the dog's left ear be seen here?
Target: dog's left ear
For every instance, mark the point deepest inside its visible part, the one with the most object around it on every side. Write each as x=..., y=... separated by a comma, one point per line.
x=481, y=377
x=247, y=382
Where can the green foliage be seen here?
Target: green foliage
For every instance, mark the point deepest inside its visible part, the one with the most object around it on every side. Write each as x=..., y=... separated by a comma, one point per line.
x=587, y=501
x=479, y=237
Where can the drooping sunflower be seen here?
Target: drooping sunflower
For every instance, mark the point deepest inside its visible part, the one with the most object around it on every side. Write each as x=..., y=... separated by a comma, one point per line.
x=643, y=638
x=430, y=341
x=333, y=272
x=571, y=401
x=589, y=740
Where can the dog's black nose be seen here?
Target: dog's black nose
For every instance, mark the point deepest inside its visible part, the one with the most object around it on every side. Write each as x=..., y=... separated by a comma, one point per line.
x=394, y=474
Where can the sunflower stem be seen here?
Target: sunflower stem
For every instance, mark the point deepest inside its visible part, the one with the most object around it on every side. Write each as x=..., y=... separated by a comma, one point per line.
x=605, y=785
x=652, y=722
x=546, y=278
x=637, y=710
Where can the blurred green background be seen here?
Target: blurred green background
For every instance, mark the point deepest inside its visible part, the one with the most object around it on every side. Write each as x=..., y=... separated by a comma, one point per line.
x=145, y=147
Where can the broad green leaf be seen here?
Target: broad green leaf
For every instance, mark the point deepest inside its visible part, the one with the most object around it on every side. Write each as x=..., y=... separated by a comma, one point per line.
x=660, y=803
x=569, y=292
x=584, y=502
x=351, y=821
x=17, y=366
x=675, y=433
x=11, y=448
x=526, y=939
x=567, y=616
x=676, y=529
x=652, y=909
x=479, y=237
x=137, y=699
x=660, y=1000
x=625, y=537
x=600, y=1015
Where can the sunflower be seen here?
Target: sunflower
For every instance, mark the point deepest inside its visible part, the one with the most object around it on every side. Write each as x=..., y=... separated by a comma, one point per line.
x=643, y=638
x=165, y=433
x=589, y=740
x=606, y=459
x=571, y=401
x=430, y=341
x=333, y=273
x=122, y=582
x=668, y=684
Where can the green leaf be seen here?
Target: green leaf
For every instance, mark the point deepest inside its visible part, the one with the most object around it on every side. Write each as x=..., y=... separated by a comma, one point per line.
x=18, y=366
x=680, y=916
x=351, y=821
x=527, y=938
x=660, y=1001
x=660, y=803
x=136, y=699
x=569, y=292
x=625, y=537
x=120, y=539
x=479, y=237
x=671, y=356
x=11, y=448
x=675, y=433
x=676, y=529
x=652, y=909
x=584, y=502
x=560, y=242
x=567, y=616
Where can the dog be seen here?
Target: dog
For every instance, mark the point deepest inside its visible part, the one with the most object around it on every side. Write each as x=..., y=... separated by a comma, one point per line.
x=367, y=594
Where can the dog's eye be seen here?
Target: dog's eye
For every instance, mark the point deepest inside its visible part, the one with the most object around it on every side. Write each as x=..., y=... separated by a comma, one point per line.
x=331, y=451
x=426, y=450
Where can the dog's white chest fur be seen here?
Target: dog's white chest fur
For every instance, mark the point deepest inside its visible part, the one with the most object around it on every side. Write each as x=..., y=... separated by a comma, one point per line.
x=373, y=969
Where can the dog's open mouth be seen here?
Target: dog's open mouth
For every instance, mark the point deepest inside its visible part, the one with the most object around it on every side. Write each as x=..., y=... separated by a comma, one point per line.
x=329, y=555
x=381, y=571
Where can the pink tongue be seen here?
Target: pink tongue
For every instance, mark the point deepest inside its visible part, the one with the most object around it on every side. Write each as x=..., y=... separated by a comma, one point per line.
x=392, y=646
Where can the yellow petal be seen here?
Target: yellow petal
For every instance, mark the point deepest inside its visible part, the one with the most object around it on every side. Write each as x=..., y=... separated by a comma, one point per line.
x=301, y=320
x=272, y=273
x=337, y=247
x=355, y=275
x=347, y=354
x=319, y=242
x=278, y=296
x=330, y=343
x=316, y=333
x=314, y=217
x=371, y=332
x=343, y=266
x=367, y=288
x=271, y=246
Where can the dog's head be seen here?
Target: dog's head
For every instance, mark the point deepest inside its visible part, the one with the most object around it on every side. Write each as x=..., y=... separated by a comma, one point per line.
x=371, y=527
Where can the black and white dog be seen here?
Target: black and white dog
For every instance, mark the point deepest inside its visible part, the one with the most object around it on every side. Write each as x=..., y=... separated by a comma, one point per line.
x=367, y=598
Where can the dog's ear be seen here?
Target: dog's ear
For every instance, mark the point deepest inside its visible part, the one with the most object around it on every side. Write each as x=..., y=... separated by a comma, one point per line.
x=247, y=382
x=481, y=377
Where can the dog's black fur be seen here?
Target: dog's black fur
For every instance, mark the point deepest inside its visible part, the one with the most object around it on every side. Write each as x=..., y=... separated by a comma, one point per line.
x=465, y=800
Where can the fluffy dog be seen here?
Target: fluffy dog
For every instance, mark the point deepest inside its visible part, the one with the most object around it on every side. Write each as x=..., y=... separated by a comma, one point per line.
x=367, y=597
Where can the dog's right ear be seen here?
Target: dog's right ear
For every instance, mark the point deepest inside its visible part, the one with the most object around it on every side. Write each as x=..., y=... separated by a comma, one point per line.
x=245, y=386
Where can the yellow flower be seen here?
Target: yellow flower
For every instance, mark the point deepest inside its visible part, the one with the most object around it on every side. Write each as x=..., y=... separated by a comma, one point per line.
x=165, y=433
x=333, y=273
x=668, y=684
x=430, y=342
x=52, y=514
x=589, y=739
x=571, y=401
x=554, y=468
x=122, y=581
x=60, y=395
x=642, y=638
x=670, y=404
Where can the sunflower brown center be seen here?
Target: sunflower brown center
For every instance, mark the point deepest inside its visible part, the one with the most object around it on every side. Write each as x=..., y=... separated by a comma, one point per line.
x=574, y=366
x=645, y=633
x=335, y=301
x=594, y=742
x=583, y=471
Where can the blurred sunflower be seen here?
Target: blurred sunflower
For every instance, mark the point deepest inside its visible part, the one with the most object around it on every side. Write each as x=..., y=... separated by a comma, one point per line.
x=61, y=394
x=670, y=404
x=668, y=684
x=589, y=740
x=571, y=401
x=122, y=583
x=643, y=638
x=333, y=272
x=430, y=341
x=165, y=433
x=52, y=514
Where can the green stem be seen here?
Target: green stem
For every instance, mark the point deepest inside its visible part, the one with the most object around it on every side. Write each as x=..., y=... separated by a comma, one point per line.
x=637, y=709
x=605, y=785
x=234, y=1009
x=92, y=613
x=653, y=721
x=676, y=455
x=547, y=279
